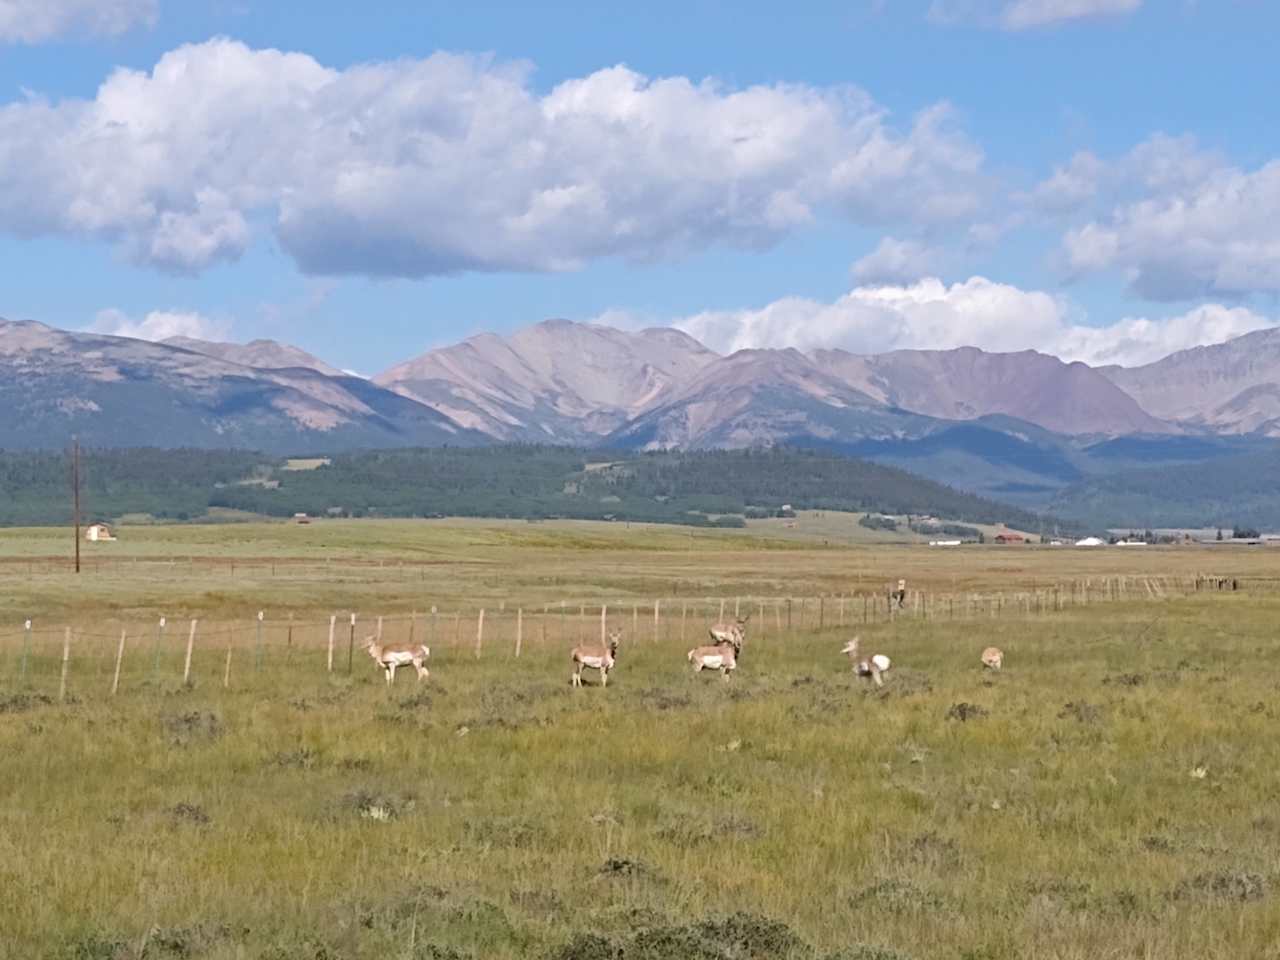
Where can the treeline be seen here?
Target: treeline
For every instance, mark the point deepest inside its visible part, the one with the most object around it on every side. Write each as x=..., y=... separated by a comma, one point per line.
x=1228, y=492
x=534, y=482
x=35, y=488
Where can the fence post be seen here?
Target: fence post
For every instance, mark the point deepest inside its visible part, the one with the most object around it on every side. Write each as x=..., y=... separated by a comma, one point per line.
x=115, y=681
x=155, y=666
x=604, y=624
x=684, y=619
x=721, y=620
x=226, y=670
x=434, y=622
x=764, y=624
x=333, y=623
x=519, y=629
x=351, y=643
x=413, y=625
x=479, y=633
x=26, y=649
x=257, y=650
x=822, y=613
x=546, y=613
x=788, y=614
x=657, y=622
x=191, y=642
x=66, y=657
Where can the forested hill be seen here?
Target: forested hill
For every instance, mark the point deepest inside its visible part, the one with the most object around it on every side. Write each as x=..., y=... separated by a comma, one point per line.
x=700, y=488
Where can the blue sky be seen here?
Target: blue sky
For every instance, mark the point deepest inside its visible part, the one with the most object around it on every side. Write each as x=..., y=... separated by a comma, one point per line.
x=1095, y=178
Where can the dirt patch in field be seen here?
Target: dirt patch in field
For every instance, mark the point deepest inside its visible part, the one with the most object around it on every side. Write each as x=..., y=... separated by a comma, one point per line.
x=185, y=729
x=964, y=712
x=739, y=937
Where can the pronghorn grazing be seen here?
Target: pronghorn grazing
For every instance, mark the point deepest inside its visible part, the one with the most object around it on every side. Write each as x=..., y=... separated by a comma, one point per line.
x=874, y=666
x=993, y=658
x=597, y=657
x=723, y=656
x=392, y=655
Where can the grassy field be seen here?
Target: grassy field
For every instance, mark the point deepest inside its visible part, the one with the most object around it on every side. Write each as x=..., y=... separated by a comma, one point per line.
x=1112, y=793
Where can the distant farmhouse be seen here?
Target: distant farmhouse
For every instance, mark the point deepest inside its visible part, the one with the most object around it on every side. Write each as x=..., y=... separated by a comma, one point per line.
x=98, y=533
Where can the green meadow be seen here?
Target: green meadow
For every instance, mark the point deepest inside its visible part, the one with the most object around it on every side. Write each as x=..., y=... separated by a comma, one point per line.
x=1111, y=793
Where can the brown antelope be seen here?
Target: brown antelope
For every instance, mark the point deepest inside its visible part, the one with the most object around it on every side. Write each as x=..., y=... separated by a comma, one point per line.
x=874, y=666
x=722, y=656
x=392, y=655
x=993, y=658
x=597, y=657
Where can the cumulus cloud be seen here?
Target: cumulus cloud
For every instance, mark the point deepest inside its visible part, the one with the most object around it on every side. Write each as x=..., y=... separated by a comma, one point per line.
x=453, y=163
x=157, y=325
x=1216, y=236
x=897, y=261
x=34, y=21
x=930, y=315
x=1026, y=14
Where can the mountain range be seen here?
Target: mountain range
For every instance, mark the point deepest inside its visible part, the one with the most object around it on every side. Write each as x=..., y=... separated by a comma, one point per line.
x=1023, y=427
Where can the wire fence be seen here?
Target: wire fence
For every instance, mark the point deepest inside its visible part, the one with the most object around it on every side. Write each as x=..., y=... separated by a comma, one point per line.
x=111, y=657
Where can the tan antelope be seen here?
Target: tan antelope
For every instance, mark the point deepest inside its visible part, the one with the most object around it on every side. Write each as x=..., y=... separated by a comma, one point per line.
x=392, y=655
x=993, y=658
x=874, y=666
x=733, y=632
x=596, y=657
x=723, y=656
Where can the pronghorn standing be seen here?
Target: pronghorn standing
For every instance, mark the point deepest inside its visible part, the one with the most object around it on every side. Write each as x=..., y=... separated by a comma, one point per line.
x=732, y=632
x=597, y=657
x=993, y=658
x=723, y=656
x=874, y=666
x=392, y=655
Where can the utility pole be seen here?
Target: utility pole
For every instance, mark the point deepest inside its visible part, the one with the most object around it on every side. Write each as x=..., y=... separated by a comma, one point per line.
x=75, y=495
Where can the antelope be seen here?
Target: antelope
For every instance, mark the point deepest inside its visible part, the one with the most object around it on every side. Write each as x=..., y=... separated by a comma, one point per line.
x=899, y=596
x=993, y=658
x=723, y=656
x=597, y=657
x=732, y=632
x=392, y=655
x=875, y=666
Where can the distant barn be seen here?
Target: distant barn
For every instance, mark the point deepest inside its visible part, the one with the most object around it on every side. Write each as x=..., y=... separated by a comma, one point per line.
x=1010, y=538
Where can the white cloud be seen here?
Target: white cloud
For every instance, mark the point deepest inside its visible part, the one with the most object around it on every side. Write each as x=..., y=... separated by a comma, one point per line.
x=1026, y=14
x=157, y=325
x=453, y=163
x=897, y=261
x=34, y=21
x=1216, y=236
x=930, y=315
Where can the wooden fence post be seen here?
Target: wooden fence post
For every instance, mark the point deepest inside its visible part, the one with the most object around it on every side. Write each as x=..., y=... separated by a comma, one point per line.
x=519, y=629
x=764, y=624
x=604, y=624
x=333, y=623
x=226, y=670
x=115, y=681
x=822, y=612
x=657, y=622
x=721, y=620
x=257, y=649
x=155, y=666
x=351, y=643
x=66, y=658
x=191, y=642
x=479, y=633
x=684, y=619
x=379, y=633
x=26, y=650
